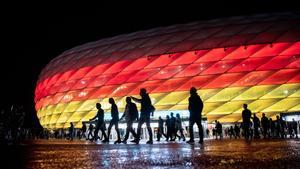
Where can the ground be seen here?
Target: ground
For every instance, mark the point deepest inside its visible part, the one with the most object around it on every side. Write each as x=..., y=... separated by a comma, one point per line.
x=212, y=154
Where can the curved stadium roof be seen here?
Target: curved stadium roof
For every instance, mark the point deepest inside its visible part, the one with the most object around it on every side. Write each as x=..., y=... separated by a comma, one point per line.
x=232, y=61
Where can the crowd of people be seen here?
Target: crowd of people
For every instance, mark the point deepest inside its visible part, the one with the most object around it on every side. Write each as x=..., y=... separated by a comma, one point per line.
x=171, y=128
x=254, y=128
x=12, y=128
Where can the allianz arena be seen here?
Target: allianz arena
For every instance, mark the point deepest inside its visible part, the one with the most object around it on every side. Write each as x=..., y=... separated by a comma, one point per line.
x=231, y=61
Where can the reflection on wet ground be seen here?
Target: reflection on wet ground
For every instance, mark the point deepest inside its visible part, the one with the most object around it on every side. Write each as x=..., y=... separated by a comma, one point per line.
x=213, y=154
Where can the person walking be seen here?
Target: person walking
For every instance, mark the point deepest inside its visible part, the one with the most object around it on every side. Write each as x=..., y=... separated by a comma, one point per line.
x=99, y=123
x=71, y=131
x=130, y=114
x=90, y=133
x=83, y=131
x=160, y=130
x=146, y=110
x=114, y=121
x=256, y=126
x=179, y=128
x=265, y=126
x=172, y=127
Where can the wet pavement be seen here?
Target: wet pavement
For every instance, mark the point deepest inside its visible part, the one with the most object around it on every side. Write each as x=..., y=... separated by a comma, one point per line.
x=213, y=154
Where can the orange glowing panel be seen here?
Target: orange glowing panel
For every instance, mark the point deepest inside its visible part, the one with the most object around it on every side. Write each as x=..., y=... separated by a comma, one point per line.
x=215, y=55
x=223, y=80
x=221, y=67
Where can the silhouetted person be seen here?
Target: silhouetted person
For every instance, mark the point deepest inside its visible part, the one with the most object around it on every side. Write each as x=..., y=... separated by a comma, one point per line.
x=146, y=110
x=290, y=129
x=282, y=128
x=246, y=115
x=172, y=127
x=178, y=127
x=256, y=125
x=83, y=130
x=295, y=127
x=71, y=131
x=130, y=114
x=218, y=129
x=91, y=128
x=272, y=127
x=237, y=131
x=169, y=130
x=195, y=109
x=207, y=133
x=231, y=132
x=278, y=127
x=265, y=125
x=104, y=128
x=160, y=130
x=251, y=130
x=99, y=123
x=115, y=119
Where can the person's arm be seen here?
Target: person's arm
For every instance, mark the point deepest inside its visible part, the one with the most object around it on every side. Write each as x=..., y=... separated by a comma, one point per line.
x=136, y=99
x=94, y=117
x=122, y=116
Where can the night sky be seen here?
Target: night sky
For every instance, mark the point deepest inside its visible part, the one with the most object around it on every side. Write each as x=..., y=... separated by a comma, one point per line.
x=33, y=36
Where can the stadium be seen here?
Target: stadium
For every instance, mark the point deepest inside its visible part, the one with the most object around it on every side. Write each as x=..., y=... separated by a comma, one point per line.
x=231, y=61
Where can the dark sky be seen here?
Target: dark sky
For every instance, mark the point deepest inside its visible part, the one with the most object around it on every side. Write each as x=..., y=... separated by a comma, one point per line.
x=33, y=36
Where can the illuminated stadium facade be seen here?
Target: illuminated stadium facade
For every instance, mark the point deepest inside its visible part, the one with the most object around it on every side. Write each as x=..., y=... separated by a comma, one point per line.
x=231, y=61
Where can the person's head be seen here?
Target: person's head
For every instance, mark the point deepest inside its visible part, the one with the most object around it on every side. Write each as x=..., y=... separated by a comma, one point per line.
x=71, y=124
x=111, y=101
x=216, y=121
x=143, y=91
x=293, y=119
x=172, y=114
x=193, y=90
x=167, y=116
x=245, y=106
x=277, y=117
x=98, y=105
x=159, y=117
x=178, y=115
x=128, y=100
x=263, y=114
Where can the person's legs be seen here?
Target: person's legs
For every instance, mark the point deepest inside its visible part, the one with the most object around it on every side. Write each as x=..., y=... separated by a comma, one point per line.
x=246, y=130
x=149, y=129
x=168, y=133
x=296, y=132
x=191, y=130
x=117, y=130
x=96, y=133
x=104, y=134
x=181, y=134
x=109, y=128
x=200, y=131
x=176, y=135
x=127, y=134
x=128, y=129
x=132, y=131
x=158, y=134
x=139, y=128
